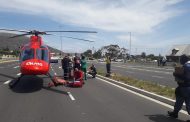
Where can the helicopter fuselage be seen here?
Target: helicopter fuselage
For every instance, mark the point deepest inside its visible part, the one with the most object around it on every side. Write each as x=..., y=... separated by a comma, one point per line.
x=34, y=57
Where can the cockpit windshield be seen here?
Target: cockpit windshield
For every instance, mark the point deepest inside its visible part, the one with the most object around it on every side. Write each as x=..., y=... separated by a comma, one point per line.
x=27, y=54
x=42, y=54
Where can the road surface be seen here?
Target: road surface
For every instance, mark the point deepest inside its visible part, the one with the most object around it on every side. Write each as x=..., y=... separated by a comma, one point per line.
x=97, y=101
x=160, y=75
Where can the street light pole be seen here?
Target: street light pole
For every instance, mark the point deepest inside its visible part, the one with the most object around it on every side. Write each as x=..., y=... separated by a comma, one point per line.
x=130, y=43
x=60, y=27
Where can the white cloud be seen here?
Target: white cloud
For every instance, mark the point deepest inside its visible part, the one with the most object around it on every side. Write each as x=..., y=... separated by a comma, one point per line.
x=139, y=16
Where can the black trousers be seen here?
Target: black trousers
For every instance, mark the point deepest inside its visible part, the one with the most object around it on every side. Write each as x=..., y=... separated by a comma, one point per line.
x=181, y=97
x=66, y=73
x=108, y=68
x=93, y=74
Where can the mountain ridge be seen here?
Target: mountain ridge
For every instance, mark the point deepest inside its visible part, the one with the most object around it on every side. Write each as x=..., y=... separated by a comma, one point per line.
x=15, y=43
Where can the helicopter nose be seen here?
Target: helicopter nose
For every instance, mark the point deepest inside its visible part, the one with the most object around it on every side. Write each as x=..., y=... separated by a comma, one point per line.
x=34, y=67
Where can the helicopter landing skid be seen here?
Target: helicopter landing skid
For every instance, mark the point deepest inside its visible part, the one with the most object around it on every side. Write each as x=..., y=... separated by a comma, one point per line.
x=15, y=81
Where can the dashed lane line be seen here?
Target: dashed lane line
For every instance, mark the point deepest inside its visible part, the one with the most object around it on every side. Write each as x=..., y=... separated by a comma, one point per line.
x=7, y=61
x=113, y=69
x=170, y=69
x=7, y=82
x=157, y=77
x=18, y=74
x=16, y=67
x=70, y=95
x=129, y=72
x=145, y=70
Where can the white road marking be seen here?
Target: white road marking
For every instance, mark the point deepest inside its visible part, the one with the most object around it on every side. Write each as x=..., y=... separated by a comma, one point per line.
x=129, y=72
x=7, y=61
x=113, y=69
x=151, y=99
x=16, y=67
x=157, y=76
x=7, y=82
x=145, y=70
x=171, y=69
x=19, y=74
x=70, y=95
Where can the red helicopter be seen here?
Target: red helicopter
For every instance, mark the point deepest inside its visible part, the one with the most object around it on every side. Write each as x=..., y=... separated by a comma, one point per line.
x=35, y=56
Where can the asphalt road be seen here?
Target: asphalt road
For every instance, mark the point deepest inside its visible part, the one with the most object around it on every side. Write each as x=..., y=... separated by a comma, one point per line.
x=160, y=75
x=96, y=101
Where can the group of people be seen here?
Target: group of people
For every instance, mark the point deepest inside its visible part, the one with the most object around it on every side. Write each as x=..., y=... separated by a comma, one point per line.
x=182, y=92
x=77, y=68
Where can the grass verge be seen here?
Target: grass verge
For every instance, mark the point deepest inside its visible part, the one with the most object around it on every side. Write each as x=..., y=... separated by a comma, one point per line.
x=145, y=85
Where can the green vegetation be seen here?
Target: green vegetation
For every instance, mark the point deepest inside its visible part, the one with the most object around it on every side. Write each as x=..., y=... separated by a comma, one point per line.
x=117, y=52
x=7, y=51
x=145, y=85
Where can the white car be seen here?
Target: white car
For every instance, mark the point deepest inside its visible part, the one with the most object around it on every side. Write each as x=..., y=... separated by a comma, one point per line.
x=101, y=60
x=119, y=60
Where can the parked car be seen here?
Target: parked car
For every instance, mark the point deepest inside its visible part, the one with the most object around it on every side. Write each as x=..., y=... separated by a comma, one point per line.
x=119, y=60
x=101, y=60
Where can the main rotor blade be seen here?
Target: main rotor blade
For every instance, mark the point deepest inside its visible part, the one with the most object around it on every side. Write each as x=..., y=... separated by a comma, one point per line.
x=77, y=38
x=74, y=31
x=25, y=31
x=19, y=35
x=48, y=34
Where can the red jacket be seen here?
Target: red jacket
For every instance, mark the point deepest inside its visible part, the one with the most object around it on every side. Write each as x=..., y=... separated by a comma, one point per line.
x=78, y=75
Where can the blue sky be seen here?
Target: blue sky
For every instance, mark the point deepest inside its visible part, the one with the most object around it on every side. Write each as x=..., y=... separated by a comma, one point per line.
x=155, y=25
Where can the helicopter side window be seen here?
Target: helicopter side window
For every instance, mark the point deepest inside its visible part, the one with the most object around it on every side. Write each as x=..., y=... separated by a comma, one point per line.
x=27, y=54
x=42, y=54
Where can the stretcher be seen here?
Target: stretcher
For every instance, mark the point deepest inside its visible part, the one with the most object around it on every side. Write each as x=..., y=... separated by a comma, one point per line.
x=75, y=83
x=60, y=81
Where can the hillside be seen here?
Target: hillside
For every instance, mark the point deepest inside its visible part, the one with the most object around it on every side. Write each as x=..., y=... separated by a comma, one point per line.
x=15, y=43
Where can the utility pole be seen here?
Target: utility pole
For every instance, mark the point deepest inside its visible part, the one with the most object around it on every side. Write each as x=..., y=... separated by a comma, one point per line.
x=60, y=27
x=93, y=50
x=130, y=43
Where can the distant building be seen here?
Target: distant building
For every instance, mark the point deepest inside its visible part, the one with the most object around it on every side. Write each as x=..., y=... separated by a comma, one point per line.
x=176, y=51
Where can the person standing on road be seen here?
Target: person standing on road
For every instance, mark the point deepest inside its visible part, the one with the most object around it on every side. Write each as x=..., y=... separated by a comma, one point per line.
x=164, y=61
x=84, y=66
x=66, y=67
x=159, y=60
x=182, y=92
x=108, y=65
x=76, y=62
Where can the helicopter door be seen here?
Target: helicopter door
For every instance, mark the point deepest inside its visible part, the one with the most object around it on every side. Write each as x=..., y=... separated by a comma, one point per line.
x=42, y=54
x=27, y=54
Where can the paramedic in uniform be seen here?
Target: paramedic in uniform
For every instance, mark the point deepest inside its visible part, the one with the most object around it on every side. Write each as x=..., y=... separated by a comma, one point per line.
x=182, y=92
x=66, y=66
x=78, y=75
x=108, y=65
